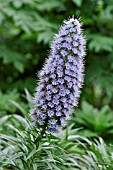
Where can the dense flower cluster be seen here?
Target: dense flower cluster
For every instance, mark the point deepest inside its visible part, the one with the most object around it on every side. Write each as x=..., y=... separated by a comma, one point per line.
x=61, y=78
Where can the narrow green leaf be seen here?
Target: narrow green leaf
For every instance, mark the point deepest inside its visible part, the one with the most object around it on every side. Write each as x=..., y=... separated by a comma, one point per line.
x=17, y=105
x=3, y=119
x=32, y=153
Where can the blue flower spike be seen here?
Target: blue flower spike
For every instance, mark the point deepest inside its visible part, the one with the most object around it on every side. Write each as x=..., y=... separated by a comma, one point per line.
x=61, y=78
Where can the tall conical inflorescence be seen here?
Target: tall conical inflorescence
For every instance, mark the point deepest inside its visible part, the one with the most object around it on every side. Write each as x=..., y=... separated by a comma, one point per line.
x=61, y=78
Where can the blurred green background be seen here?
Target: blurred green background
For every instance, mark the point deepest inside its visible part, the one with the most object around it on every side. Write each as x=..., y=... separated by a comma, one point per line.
x=27, y=28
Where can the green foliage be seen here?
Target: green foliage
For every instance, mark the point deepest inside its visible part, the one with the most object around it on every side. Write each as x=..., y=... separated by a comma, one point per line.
x=104, y=43
x=12, y=57
x=25, y=44
x=10, y=103
x=94, y=122
x=22, y=150
x=5, y=102
x=27, y=28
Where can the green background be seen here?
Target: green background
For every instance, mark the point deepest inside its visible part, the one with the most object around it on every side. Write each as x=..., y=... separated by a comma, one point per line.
x=27, y=28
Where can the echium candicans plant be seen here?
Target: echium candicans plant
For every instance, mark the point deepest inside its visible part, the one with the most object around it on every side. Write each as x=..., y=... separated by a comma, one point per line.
x=61, y=78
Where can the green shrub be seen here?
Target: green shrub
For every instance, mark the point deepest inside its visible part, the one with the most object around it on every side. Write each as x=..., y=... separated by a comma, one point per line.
x=94, y=122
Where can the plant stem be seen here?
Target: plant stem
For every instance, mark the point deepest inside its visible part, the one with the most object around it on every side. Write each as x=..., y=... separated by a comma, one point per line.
x=42, y=132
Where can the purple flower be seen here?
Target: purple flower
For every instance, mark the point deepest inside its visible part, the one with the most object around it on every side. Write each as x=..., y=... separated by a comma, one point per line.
x=64, y=32
x=67, y=72
x=67, y=78
x=52, y=130
x=66, y=105
x=70, y=84
x=49, y=86
x=74, y=50
x=75, y=43
x=50, y=113
x=58, y=113
x=54, y=90
x=54, y=82
x=63, y=122
x=62, y=93
x=53, y=76
x=72, y=30
x=57, y=96
x=60, y=73
x=52, y=121
x=55, y=101
x=42, y=116
x=66, y=113
x=68, y=65
x=68, y=39
x=60, y=61
x=67, y=91
x=64, y=53
x=61, y=78
x=68, y=26
x=50, y=105
x=65, y=45
x=70, y=58
x=58, y=107
x=75, y=36
x=44, y=106
x=63, y=99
